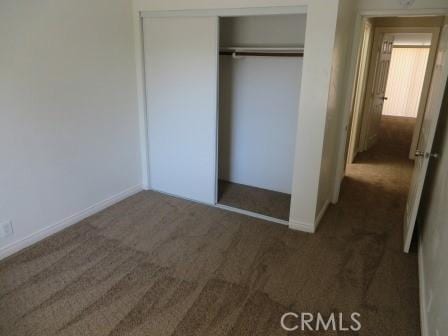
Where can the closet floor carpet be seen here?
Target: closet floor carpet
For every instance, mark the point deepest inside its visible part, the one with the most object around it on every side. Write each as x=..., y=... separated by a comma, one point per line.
x=266, y=202
x=158, y=265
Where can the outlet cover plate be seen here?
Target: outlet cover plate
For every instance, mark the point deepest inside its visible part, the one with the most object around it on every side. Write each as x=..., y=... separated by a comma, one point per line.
x=6, y=229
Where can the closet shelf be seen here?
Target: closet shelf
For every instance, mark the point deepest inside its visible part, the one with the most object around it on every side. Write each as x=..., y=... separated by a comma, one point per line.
x=262, y=51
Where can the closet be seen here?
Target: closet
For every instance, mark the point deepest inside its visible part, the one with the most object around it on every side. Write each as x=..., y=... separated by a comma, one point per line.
x=222, y=97
x=260, y=66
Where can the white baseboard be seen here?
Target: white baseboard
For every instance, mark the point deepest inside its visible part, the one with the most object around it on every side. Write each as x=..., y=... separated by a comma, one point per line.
x=421, y=286
x=321, y=213
x=252, y=214
x=301, y=226
x=18, y=245
x=337, y=188
x=309, y=227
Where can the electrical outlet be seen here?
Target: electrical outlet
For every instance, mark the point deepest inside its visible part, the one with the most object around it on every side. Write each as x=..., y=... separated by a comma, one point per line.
x=6, y=229
x=406, y=3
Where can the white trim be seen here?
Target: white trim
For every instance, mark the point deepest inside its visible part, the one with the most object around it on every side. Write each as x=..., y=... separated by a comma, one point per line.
x=228, y=208
x=403, y=12
x=16, y=246
x=398, y=30
x=182, y=197
x=252, y=214
x=346, y=113
x=141, y=99
x=276, y=10
x=216, y=187
x=309, y=227
x=321, y=213
x=301, y=226
x=421, y=287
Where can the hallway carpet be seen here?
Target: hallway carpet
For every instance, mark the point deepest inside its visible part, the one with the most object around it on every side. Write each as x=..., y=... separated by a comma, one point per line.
x=158, y=265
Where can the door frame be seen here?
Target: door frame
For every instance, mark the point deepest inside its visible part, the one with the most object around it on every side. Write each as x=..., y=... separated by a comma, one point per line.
x=344, y=130
x=365, y=108
x=359, y=91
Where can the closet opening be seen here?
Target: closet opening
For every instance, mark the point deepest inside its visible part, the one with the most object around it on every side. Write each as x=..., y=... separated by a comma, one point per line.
x=260, y=68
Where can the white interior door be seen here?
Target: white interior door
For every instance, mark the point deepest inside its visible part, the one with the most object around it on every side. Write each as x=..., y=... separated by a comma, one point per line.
x=181, y=67
x=378, y=91
x=427, y=133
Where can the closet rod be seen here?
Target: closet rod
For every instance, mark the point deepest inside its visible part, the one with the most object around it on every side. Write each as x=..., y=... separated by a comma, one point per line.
x=251, y=51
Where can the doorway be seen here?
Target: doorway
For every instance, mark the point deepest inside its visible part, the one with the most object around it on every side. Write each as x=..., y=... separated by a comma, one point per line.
x=397, y=69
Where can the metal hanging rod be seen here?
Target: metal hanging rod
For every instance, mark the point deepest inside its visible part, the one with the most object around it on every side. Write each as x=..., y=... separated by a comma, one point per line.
x=238, y=52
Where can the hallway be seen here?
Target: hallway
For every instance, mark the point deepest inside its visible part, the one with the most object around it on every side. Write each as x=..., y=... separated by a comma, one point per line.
x=159, y=265
x=377, y=183
x=379, y=178
x=369, y=218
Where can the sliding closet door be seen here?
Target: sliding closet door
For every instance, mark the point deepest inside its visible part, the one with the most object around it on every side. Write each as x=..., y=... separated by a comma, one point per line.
x=181, y=82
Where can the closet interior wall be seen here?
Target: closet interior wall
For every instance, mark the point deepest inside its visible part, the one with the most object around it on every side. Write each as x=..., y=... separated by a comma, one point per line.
x=258, y=102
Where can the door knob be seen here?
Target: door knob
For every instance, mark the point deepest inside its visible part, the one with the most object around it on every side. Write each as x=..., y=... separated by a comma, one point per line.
x=426, y=155
x=383, y=98
x=419, y=153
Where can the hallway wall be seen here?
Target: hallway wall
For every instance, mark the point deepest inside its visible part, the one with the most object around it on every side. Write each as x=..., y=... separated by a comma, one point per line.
x=342, y=49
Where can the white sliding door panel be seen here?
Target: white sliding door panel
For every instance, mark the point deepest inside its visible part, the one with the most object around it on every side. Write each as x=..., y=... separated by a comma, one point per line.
x=181, y=82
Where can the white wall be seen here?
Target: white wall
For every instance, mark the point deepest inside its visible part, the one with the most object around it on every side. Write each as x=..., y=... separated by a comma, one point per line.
x=259, y=99
x=68, y=122
x=274, y=30
x=336, y=100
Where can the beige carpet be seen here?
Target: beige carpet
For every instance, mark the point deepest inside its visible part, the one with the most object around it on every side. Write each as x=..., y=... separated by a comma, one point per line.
x=157, y=265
